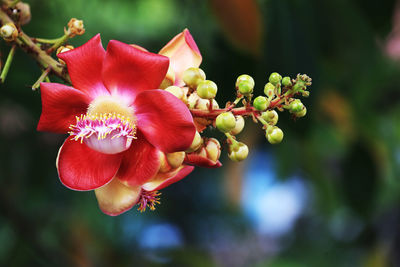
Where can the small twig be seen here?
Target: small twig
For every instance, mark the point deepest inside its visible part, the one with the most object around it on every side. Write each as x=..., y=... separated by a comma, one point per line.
x=8, y=64
x=42, y=77
x=58, y=43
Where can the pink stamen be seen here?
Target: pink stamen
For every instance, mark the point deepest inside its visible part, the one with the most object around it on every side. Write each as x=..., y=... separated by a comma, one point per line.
x=105, y=133
x=102, y=125
x=148, y=199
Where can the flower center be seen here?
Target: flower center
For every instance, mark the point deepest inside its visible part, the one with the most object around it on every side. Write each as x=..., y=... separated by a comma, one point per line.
x=106, y=133
x=148, y=199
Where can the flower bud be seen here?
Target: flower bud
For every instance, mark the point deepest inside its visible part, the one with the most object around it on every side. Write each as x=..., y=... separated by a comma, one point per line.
x=286, y=81
x=269, y=90
x=270, y=116
x=75, y=27
x=9, y=32
x=24, y=13
x=196, y=144
x=169, y=79
x=213, y=149
x=275, y=78
x=193, y=76
x=261, y=103
x=298, y=86
x=207, y=89
x=301, y=113
x=171, y=161
x=239, y=126
x=274, y=135
x=178, y=92
x=238, y=151
x=296, y=106
x=175, y=159
x=204, y=104
x=245, y=84
x=225, y=122
x=63, y=49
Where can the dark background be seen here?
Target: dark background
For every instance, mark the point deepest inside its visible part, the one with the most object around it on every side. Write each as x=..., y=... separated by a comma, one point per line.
x=328, y=195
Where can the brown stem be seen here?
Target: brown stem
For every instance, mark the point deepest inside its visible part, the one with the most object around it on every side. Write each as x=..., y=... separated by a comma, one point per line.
x=243, y=111
x=25, y=43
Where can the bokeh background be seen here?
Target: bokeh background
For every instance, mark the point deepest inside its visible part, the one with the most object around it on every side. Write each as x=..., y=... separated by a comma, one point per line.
x=328, y=195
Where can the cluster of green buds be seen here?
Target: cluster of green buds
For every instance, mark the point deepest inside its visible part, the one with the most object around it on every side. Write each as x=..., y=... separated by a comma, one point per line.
x=279, y=94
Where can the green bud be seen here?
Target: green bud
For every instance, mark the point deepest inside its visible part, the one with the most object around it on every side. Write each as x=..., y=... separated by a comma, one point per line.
x=274, y=135
x=298, y=86
x=286, y=81
x=207, y=89
x=245, y=84
x=225, y=122
x=238, y=151
x=261, y=103
x=305, y=93
x=269, y=90
x=275, y=78
x=193, y=76
x=239, y=126
x=301, y=113
x=296, y=106
x=270, y=116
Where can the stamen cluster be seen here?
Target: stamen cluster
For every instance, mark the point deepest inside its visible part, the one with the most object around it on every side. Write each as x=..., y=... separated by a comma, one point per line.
x=102, y=125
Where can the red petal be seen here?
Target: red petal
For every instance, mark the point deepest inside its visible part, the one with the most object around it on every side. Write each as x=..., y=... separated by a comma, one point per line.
x=183, y=52
x=127, y=71
x=163, y=180
x=84, y=67
x=195, y=159
x=81, y=168
x=60, y=105
x=140, y=163
x=165, y=120
x=115, y=198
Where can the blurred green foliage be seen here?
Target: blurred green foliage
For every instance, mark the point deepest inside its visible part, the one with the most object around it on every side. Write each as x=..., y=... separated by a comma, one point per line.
x=346, y=150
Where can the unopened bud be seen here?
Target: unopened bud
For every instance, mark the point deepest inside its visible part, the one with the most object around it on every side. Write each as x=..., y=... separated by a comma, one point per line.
x=169, y=79
x=75, y=27
x=225, y=122
x=204, y=104
x=213, y=149
x=296, y=106
x=207, y=89
x=298, y=86
x=261, y=103
x=178, y=92
x=245, y=84
x=63, y=49
x=269, y=90
x=274, y=135
x=175, y=159
x=286, y=81
x=196, y=144
x=239, y=126
x=301, y=113
x=9, y=32
x=238, y=151
x=24, y=11
x=270, y=116
x=193, y=76
x=275, y=78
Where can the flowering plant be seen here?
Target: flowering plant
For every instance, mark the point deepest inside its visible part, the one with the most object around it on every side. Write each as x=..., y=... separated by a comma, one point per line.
x=135, y=119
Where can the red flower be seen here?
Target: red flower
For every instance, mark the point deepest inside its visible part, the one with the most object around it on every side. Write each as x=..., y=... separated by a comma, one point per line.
x=120, y=125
